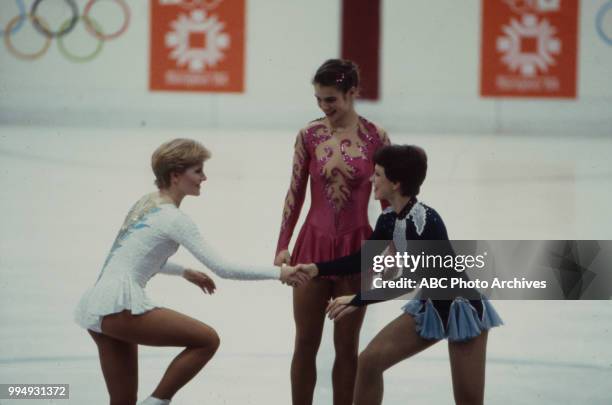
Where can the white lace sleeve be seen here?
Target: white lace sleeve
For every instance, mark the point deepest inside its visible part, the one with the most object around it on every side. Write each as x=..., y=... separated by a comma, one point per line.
x=185, y=232
x=172, y=269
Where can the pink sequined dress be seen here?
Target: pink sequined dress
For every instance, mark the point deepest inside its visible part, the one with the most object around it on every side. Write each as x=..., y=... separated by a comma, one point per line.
x=340, y=167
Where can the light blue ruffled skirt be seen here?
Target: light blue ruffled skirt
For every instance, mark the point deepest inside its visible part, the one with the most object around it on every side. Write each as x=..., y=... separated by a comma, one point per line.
x=464, y=322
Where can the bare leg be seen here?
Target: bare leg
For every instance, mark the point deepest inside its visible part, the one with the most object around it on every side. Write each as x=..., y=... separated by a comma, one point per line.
x=468, y=361
x=346, y=344
x=164, y=327
x=309, y=302
x=395, y=342
x=119, y=362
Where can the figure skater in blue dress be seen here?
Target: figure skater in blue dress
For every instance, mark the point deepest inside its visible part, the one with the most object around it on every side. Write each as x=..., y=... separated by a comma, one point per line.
x=464, y=321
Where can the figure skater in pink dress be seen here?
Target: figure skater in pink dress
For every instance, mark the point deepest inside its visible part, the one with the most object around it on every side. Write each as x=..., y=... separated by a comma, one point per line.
x=336, y=153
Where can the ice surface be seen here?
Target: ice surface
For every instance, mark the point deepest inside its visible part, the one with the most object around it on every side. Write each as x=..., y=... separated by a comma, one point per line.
x=65, y=193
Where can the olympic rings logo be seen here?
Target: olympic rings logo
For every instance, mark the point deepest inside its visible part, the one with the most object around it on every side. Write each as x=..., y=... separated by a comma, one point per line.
x=41, y=25
x=599, y=22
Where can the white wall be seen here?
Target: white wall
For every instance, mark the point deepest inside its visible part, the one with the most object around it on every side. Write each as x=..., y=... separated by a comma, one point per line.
x=430, y=75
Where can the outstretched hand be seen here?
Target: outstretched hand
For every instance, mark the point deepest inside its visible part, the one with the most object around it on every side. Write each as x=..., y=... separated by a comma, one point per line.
x=339, y=307
x=311, y=269
x=292, y=276
x=201, y=280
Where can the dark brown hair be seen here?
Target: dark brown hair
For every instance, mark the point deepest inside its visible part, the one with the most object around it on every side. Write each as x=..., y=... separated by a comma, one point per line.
x=406, y=164
x=343, y=74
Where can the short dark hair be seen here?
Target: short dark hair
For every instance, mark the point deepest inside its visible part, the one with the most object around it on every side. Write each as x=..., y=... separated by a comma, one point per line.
x=406, y=164
x=343, y=74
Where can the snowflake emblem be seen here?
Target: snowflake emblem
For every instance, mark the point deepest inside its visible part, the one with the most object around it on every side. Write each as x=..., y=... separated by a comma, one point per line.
x=529, y=45
x=198, y=40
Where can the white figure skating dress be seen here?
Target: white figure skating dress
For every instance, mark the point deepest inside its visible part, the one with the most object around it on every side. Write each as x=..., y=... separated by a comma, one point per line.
x=151, y=233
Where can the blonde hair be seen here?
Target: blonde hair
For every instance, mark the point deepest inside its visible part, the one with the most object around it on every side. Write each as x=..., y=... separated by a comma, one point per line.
x=176, y=156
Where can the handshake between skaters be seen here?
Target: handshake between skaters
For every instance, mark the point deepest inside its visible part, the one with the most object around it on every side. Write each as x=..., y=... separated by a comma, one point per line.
x=294, y=276
x=300, y=274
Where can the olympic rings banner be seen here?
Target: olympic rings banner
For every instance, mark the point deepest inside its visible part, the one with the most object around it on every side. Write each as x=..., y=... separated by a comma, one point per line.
x=529, y=48
x=197, y=45
x=35, y=16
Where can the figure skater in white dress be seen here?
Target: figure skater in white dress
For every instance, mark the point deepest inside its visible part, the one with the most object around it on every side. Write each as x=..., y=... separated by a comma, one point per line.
x=117, y=312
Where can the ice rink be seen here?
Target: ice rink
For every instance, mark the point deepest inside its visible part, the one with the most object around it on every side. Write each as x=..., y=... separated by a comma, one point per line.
x=65, y=192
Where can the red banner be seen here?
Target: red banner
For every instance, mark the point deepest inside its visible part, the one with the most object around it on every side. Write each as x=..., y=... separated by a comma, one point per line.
x=529, y=48
x=197, y=45
x=361, y=42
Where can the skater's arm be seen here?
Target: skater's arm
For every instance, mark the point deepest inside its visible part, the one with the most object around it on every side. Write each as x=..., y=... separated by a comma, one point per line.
x=295, y=195
x=184, y=231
